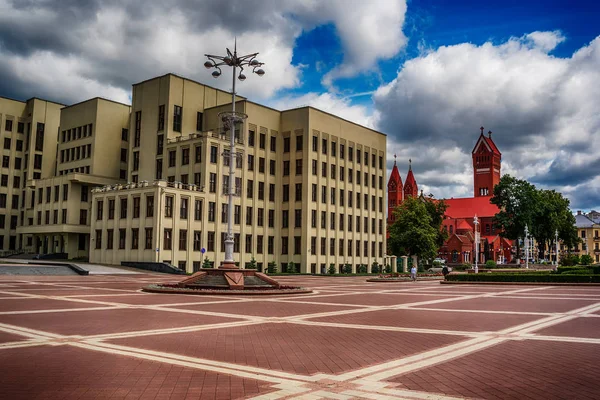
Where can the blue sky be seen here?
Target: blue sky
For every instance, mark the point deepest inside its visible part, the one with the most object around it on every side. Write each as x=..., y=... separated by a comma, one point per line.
x=427, y=73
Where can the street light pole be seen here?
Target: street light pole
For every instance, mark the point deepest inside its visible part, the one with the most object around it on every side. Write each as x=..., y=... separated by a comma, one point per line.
x=526, y=247
x=556, y=244
x=235, y=61
x=476, y=223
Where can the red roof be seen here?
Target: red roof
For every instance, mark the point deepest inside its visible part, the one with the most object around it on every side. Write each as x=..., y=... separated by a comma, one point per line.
x=395, y=176
x=490, y=143
x=470, y=206
x=463, y=225
x=410, y=180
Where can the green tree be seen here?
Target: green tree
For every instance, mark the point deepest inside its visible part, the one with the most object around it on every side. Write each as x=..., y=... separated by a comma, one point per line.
x=332, y=270
x=586, y=259
x=206, y=263
x=517, y=200
x=437, y=210
x=252, y=264
x=291, y=267
x=414, y=231
x=272, y=267
x=552, y=214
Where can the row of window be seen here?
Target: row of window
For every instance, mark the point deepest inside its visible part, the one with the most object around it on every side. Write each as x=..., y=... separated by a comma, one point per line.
x=76, y=153
x=8, y=144
x=16, y=181
x=14, y=204
x=81, y=170
x=65, y=193
x=82, y=217
x=12, y=242
x=149, y=207
x=342, y=174
x=6, y=162
x=324, y=149
x=182, y=243
x=8, y=126
x=342, y=197
x=76, y=133
x=14, y=220
x=185, y=155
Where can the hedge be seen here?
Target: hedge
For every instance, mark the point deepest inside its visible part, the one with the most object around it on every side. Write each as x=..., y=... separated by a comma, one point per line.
x=595, y=269
x=491, y=277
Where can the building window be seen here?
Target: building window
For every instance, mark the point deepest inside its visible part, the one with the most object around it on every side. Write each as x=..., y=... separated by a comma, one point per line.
x=8, y=125
x=148, y=244
x=177, y=118
x=122, y=235
x=182, y=239
x=168, y=206
x=273, y=143
x=197, y=241
x=211, y=211
x=213, y=154
x=262, y=140
x=210, y=241
x=138, y=129
x=135, y=238
x=168, y=233
x=198, y=210
x=185, y=156
x=286, y=145
x=98, y=239
x=172, y=158
x=39, y=137
x=183, y=208
x=286, y=168
x=136, y=207
x=251, y=138
x=99, y=210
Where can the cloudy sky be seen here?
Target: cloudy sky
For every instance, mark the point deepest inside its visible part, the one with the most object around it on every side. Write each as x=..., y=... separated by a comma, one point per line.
x=428, y=73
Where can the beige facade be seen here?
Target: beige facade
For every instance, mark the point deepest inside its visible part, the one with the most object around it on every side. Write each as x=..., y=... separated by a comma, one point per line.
x=148, y=183
x=28, y=132
x=91, y=152
x=310, y=185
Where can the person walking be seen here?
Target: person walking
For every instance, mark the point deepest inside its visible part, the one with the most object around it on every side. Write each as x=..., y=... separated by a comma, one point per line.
x=413, y=273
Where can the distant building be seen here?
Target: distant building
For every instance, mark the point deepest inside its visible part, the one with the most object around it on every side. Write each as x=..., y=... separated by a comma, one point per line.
x=588, y=230
x=460, y=214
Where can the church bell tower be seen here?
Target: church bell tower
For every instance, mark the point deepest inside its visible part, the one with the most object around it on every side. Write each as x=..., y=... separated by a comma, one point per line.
x=487, y=160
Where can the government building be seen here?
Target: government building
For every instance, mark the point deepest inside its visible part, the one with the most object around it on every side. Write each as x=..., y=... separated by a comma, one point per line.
x=147, y=182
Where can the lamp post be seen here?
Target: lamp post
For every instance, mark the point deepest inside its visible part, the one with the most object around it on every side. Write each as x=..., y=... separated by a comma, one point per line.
x=476, y=223
x=556, y=244
x=235, y=61
x=526, y=247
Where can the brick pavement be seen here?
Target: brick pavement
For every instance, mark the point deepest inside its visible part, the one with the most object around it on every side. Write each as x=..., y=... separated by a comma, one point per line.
x=99, y=337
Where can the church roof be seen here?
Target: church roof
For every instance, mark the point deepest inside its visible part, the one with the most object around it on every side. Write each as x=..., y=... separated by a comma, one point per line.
x=463, y=225
x=410, y=179
x=468, y=207
x=488, y=142
x=395, y=177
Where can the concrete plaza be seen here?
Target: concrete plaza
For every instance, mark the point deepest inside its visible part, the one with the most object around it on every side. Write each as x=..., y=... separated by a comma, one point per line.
x=99, y=337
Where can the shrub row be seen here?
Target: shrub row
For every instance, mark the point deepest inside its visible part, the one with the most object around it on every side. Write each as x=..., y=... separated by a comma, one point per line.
x=493, y=277
x=595, y=269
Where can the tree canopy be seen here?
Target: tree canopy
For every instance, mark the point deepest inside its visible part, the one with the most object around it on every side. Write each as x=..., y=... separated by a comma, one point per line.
x=543, y=211
x=416, y=229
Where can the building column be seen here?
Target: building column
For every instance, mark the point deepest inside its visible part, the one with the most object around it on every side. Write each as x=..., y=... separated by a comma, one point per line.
x=415, y=261
x=404, y=263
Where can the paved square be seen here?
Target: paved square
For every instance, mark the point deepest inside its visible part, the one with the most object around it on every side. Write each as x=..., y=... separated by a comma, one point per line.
x=91, y=337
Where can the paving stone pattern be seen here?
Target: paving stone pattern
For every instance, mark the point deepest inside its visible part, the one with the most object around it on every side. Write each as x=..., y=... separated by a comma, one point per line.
x=99, y=337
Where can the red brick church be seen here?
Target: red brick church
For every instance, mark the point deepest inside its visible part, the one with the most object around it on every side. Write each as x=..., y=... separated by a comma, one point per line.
x=461, y=212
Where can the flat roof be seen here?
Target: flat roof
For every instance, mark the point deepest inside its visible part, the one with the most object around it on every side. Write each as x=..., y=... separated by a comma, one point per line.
x=32, y=98
x=187, y=79
x=98, y=98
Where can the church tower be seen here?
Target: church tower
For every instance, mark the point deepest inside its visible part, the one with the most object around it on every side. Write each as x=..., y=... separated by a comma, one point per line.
x=410, y=186
x=395, y=192
x=486, y=165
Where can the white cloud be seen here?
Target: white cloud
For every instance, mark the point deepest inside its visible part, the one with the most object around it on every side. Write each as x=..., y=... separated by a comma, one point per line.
x=330, y=103
x=542, y=109
x=112, y=44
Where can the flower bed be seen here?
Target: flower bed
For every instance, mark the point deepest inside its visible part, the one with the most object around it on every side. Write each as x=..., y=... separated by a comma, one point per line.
x=535, y=277
x=174, y=289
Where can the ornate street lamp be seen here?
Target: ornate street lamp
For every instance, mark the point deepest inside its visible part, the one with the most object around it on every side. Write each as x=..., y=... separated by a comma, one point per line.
x=556, y=244
x=526, y=247
x=476, y=223
x=235, y=61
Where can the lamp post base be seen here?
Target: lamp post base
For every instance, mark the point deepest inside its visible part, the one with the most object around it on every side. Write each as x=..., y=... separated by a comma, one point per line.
x=228, y=265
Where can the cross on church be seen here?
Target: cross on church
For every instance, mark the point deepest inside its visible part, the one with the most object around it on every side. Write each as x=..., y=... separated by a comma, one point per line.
x=481, y=130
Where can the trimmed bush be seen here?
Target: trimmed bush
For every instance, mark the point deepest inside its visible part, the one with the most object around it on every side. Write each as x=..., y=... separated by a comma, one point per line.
x=375, y=268
x=362, y=269
x=569, y=259
x=490, y=264
x=586, y=259
x=331, y=270
x=272, y=268
x=347, y=269
x=463, y=267
x=388, y=269
x=548, y=278
x=206, y=263
x=291, y=268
